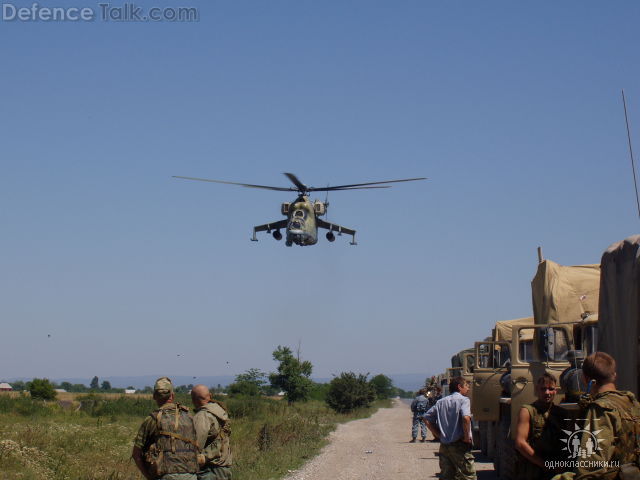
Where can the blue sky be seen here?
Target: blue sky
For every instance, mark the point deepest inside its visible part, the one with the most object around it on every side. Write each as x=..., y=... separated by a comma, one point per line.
x=511, y=109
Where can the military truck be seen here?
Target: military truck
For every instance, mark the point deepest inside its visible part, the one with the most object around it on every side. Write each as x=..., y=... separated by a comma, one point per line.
x=619, y=310
x=565, y=303
x=493, y=357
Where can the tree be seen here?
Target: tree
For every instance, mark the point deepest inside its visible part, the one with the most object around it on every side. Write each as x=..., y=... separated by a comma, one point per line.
x=19, y=385
x=383, y=386
x=249, y=383
x=292, y=376
x=350, y=391
x=106, y=385
x=95, y=383
x=41, y=388
x=66, y=386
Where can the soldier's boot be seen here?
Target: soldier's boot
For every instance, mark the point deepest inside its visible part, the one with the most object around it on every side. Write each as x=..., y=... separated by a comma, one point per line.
x=413, y=440
x=423, y=439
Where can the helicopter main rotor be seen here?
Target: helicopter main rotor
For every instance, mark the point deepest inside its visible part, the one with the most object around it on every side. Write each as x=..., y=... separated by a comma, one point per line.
x=303, y=189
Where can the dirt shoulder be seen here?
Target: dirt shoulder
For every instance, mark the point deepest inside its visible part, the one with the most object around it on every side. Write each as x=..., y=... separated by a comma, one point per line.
x=378, y=448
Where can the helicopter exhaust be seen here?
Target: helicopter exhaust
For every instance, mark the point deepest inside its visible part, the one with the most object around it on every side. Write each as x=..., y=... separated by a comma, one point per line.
x=277, y=235
x=330, y=236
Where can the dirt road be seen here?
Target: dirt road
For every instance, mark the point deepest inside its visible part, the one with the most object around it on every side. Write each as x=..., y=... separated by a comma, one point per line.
x=378, y=448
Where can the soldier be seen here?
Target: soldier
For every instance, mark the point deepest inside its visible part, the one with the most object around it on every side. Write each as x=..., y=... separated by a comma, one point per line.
x=538, y=430
x=612, y=422
x=419, y=407
x=450, y=421
x=212, y=431
x=165, y=446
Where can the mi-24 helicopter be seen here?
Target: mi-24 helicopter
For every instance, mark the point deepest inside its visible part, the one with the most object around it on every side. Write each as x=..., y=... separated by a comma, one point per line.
x=303, y=215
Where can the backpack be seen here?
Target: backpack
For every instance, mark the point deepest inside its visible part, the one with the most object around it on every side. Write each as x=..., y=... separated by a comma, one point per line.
x=422, y=405
x=175, y=448
x=223, y=420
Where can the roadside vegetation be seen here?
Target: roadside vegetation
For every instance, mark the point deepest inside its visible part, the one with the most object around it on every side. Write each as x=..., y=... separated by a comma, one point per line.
x=89, y=436
x=93, y=439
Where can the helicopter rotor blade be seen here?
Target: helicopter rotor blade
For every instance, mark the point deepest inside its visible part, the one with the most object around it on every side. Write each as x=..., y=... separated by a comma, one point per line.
x=335, y=189
x=248, y=185
x=301, y=186
x=345, y=187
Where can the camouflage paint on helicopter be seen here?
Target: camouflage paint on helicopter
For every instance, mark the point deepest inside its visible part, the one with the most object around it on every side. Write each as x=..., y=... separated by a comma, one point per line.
x=303, y=220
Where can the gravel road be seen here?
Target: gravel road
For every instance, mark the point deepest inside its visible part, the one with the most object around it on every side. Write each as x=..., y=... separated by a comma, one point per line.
x=378, y=448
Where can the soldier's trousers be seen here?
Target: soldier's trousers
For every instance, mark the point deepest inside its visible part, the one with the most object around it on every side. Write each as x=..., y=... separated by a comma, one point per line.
x=456, y=461
x=215, y=473
x=418, y=421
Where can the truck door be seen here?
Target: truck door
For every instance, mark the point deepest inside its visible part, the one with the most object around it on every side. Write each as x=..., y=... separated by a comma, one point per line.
x=551, y=343
x=491, y=362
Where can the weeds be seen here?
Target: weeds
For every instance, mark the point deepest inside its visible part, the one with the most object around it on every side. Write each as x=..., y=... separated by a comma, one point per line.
x=42, y=441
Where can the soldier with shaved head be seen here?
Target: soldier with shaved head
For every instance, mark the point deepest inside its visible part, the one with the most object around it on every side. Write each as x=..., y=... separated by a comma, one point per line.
x=212, y=431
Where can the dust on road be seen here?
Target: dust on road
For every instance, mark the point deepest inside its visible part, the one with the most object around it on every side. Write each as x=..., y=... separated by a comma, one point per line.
x=378, y=448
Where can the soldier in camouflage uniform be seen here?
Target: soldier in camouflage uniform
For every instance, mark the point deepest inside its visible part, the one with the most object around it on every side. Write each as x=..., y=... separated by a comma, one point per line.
x=537, y=432
x=613, y=417
x=419, y=407
x=165, y=446
x=213, y=431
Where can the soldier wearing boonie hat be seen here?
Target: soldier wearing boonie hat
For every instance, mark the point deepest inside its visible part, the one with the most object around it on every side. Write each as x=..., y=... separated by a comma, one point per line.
x=165, y=446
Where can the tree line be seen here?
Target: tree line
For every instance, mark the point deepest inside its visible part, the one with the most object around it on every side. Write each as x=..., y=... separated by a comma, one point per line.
x=346, y=392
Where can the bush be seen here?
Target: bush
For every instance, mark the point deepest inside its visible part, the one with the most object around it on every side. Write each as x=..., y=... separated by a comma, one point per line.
x=349, y=392
x=42, y=389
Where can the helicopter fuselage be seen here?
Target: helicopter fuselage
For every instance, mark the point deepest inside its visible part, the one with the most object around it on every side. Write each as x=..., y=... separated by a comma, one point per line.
x=302, y=228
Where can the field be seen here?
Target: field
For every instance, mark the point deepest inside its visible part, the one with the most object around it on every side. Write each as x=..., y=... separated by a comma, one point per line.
x=91, y=438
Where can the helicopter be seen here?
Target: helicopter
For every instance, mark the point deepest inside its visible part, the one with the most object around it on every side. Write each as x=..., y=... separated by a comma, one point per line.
x=303, y=215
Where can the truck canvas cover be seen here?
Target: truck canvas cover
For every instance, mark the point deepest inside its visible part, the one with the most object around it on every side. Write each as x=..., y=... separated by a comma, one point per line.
x=619, y=323
x=502, y=332
x=564, y=294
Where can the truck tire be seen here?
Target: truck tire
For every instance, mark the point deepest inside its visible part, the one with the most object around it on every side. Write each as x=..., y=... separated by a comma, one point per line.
x=483, y=437
x=491, y=440
x=506, y=448
x=476, y=438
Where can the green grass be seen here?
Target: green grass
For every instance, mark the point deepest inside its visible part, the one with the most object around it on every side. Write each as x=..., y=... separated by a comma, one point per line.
x=44, y=442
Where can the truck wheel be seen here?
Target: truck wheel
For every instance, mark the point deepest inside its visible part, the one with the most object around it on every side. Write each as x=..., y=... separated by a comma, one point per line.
x=491, y=439
x=483, y=437
x=476, y=438
x=506, y=448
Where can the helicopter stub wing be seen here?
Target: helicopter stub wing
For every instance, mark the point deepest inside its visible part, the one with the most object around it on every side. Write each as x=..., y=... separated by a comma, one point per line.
x=267, y=227
x=332, y=227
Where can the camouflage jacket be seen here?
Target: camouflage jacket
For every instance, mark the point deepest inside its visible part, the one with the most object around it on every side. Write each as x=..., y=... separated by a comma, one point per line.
x=168, y=440
x=213, y=431
x=613, y=418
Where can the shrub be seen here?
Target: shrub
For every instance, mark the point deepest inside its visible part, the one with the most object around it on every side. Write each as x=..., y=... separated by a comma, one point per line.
x=42, y=389
x=349, y=392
